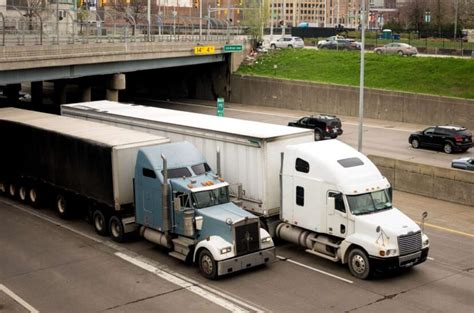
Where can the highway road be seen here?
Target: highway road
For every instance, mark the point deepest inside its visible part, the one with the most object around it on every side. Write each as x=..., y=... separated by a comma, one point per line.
x=384, y=138
x=52, y=265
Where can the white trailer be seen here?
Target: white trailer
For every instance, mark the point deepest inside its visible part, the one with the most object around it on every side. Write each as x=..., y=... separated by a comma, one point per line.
x=250, y=151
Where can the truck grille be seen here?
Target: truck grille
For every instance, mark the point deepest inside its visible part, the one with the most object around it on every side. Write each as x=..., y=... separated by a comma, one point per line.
x=409, y=243
x=247, y=237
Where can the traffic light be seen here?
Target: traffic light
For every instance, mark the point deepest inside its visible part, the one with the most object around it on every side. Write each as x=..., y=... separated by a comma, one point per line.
x=241, y=2
x=196, y=3
x=218, y=3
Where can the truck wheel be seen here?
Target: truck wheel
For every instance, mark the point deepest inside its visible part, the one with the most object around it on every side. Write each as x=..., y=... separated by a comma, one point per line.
x=62, y=207
x=359, y=263
x=12, y=190
x=207, y=265
x=3, y=187
x=33, y=196
x=23, y=193
x=100, y=223
x=317, y=135
x=116, y=229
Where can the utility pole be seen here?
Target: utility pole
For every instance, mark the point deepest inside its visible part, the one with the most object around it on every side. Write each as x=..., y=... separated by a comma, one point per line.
x=456, y=4
x=361, y=88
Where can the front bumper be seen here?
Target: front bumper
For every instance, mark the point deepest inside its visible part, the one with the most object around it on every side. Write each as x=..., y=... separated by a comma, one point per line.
x=405, y=261
x=238, y=263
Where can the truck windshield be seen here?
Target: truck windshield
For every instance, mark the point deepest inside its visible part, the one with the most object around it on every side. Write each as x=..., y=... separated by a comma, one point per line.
x=204, y=199
x=369, y=202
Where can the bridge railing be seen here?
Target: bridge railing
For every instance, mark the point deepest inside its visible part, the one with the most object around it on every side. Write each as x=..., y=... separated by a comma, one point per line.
x=23, y=26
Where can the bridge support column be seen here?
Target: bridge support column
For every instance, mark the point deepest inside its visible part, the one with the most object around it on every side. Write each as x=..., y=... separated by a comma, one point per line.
x=86, y=92
x=59, y=92
x=12, y=92
x=116, y=83
x=37, y=93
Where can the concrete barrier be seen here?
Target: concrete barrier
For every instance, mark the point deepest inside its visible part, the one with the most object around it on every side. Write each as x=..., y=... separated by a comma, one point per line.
x=344, y=100
x=435, y=182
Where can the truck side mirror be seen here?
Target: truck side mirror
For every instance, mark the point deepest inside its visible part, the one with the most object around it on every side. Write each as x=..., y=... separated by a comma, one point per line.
x=331, y=205
x=198, y=220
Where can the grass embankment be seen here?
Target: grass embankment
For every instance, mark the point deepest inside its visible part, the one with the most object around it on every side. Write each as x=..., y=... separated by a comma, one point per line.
x=438, y=76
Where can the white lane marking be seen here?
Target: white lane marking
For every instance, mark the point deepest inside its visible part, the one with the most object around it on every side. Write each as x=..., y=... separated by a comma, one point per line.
x=181, y=283
x=315, y=269
x=19, y=300
x=123, y=250
x=270, y=114
x=430, y=258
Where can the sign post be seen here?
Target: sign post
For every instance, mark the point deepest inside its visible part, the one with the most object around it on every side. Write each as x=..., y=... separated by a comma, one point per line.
x=220, y=106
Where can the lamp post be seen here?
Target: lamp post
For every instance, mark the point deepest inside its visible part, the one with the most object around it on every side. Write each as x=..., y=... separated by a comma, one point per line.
x=361, y=88
x=148, y=17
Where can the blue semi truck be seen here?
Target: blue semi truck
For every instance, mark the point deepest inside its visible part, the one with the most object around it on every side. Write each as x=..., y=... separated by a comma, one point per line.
x=127, y=181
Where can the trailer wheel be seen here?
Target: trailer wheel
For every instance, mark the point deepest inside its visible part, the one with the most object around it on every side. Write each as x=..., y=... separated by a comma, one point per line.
x=23, y=193
x=207, y=264
x=12, y=190
x=100, y=223
x=3, y=187
x=116, y=229
x=33, y=196
x=359, y=263
x=62, y=207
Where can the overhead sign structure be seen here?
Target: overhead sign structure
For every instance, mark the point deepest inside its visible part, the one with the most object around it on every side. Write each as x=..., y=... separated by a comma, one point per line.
x=232, y=48
x=204, y=50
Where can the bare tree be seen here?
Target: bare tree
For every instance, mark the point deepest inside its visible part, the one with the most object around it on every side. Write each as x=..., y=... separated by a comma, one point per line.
x=33, y=8
x=133, y=11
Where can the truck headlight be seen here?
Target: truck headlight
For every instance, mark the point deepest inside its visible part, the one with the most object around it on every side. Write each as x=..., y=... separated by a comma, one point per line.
x=391, y=252
x=425, y=241
x=266, y=239
x=226, y=250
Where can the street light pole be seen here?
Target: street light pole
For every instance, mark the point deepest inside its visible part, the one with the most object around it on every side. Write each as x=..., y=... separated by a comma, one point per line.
x=361, y=88
x=148, y=16
x=200, y=19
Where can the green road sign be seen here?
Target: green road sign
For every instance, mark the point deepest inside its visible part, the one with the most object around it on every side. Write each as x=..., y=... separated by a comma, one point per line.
x=220, y=106
x=232, y=48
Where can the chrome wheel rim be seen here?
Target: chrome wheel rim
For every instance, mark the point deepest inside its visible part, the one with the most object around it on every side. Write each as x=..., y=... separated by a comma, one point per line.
x=61, y=205
x=22, y=193
x=32, y=194
x=12, y=190
x=414, y=143
x=447, y=148
x=206, y=263
x=115, y=228
x=358, y=264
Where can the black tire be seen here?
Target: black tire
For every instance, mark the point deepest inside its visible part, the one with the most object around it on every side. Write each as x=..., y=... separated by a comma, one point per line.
x=100, y=223
x=400, y=53
x=3, y=187
x=62, y=207
x=415, y=143
x=23, y=193
x=34, y=196
x=12, y=190
x=207, y=264
x=359, y=264
x=318, y=135
x=378, y=52
x=273, y=46
x=116, y=229
x=290, y=47
x=448, y=148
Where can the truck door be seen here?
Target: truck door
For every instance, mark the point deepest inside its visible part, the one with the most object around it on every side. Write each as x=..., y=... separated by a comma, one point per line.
x=336, y=214
x=151, y=198
x=179, y=212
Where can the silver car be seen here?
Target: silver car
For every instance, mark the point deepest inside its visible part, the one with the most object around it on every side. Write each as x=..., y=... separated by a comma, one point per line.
x=397, y=48
x=464, y=163
x=287, y=42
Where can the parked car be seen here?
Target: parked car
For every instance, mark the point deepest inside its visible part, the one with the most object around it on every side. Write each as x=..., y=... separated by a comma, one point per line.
x=464, y=163
x=340, y=44
x=449, y=138
x=397, y=48
x=287, y=42
x=324, y=125
x=320, y=42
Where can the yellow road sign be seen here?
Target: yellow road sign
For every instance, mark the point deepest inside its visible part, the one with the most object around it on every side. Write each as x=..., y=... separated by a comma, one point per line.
x=204, y=50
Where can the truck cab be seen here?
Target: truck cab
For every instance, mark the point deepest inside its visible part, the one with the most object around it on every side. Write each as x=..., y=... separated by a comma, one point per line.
x=341, y=200
x=183, y=205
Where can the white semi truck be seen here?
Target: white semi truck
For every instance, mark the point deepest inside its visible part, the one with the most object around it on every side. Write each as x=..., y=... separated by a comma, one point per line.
x=324, y=196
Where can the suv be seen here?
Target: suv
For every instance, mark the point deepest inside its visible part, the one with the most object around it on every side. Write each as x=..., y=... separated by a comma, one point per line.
x=324, y=125
x=287, y=42
x=449, y=138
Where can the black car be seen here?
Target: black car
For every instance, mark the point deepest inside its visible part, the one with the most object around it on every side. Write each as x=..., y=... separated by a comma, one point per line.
x=324, y=125
x=449, y=138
